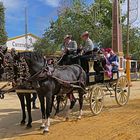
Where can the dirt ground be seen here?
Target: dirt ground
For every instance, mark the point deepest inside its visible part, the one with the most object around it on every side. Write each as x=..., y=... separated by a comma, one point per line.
x=114, y=123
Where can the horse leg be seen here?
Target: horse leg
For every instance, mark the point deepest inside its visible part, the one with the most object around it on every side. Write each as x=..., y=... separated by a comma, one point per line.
x=48, y=112
x=58, y=99
x=72, y=103
x=28, y=102
x=22, y=102
x=42, y=104
x=81, y=104
x=53, y=97
x=33, y=99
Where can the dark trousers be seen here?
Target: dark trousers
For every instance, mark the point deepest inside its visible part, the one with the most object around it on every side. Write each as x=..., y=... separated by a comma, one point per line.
x=84, y=63
x=68, y=59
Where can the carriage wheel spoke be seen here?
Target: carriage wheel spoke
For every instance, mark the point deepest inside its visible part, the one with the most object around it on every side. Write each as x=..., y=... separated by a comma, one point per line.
x=99, y=106
x=96, y=107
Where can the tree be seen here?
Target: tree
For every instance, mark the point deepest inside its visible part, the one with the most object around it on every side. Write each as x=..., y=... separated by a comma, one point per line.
x=134, y=42
x=3, y=34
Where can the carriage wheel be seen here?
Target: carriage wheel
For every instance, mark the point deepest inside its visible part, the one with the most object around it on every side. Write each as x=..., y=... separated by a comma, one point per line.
x=122, y=91
x=96, y=100
x=63, y=102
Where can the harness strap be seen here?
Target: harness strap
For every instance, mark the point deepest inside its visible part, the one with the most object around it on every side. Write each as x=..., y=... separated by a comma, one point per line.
x=64, y=81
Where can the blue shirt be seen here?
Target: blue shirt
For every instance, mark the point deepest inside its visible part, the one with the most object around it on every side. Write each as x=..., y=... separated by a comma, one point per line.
x=113, y=59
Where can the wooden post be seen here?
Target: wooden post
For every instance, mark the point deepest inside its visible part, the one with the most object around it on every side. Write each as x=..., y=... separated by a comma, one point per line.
x=127, y=49
x=117, y=33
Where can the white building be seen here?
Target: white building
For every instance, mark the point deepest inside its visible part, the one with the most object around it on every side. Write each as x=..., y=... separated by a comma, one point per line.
x=19, y=42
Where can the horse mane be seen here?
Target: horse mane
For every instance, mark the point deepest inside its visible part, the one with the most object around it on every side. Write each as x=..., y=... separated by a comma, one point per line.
x=33, y=56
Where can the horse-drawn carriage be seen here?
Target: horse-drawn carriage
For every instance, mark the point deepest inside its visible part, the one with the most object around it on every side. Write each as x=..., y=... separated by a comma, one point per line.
x=98, y=85
x=32, y=71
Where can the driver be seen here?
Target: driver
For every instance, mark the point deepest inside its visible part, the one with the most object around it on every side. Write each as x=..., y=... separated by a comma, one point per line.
x=69, y=49
x=87, y=49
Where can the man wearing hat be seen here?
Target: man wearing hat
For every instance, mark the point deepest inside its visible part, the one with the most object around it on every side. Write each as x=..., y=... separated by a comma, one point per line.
x=69, y=49
x=88, y=46
x=86, y=50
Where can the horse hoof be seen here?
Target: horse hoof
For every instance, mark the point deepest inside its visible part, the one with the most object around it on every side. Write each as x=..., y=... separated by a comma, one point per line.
x=56, y=117
x=46, y=131
x=67, y=119
x=28, y=126
x=22, y=123
x=1, y=96
x=79, y=118
x=42, y=126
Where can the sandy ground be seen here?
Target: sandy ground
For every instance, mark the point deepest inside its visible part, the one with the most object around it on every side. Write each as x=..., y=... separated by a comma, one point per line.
x=114, y=123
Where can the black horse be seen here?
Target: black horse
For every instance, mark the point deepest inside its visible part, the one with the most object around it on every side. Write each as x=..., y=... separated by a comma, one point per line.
x=49, y=82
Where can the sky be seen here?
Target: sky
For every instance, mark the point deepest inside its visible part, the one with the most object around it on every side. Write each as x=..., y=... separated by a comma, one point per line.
x=40, y=12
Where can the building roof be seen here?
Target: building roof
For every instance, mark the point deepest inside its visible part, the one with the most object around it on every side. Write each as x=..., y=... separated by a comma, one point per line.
x=30, y=34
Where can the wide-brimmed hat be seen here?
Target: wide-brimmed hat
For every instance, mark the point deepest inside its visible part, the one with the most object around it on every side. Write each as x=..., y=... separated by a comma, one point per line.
x=85, y=33
x=68, y=36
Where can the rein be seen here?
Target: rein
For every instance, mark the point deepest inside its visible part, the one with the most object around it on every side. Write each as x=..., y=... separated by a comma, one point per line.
x=57, y=63
x=64, y=81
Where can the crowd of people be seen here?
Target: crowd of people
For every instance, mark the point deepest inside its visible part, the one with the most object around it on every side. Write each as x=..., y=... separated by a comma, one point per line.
x=71, y=49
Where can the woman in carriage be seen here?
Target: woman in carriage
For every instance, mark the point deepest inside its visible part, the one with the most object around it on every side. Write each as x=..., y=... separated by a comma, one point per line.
x=107, y=66
x=112, y=62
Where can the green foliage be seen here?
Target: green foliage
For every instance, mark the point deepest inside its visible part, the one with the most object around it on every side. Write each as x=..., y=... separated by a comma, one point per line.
x=3, y=34
x=134, y=42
